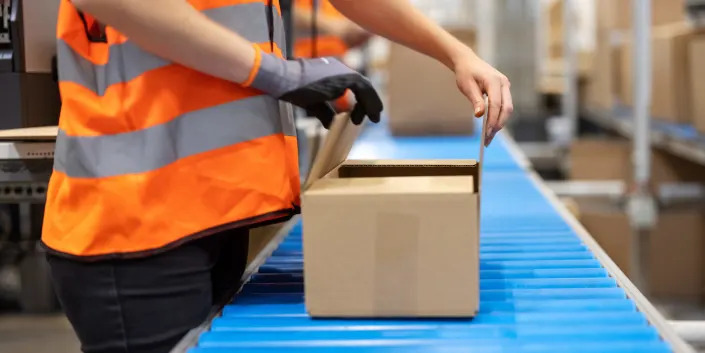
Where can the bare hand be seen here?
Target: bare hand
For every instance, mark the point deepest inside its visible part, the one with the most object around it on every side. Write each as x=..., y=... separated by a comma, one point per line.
x=476, y=78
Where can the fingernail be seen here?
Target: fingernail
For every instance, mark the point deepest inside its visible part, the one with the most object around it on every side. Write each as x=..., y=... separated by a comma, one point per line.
x=490, y=138
x=477, y=110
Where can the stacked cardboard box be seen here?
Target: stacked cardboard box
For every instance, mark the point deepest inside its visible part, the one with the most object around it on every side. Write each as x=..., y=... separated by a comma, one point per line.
x=671, y=100
x=676, y=245
x=618, y=14
x=423, y=97
x=677, y=242
x=601, y=85
x=696, y=54
x=671, y=92
x=610, y=159
x=552, y=80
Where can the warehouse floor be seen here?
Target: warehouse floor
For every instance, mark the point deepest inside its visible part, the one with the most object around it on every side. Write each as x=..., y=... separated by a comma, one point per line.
x=36, y=334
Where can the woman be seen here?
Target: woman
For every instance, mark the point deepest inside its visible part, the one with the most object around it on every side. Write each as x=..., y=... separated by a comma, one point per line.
x=175, y=139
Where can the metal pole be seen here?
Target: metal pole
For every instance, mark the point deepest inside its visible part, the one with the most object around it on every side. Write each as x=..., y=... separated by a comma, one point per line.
x=641, y=207
x=642, y=92
x=570, y=62
x=486, y=30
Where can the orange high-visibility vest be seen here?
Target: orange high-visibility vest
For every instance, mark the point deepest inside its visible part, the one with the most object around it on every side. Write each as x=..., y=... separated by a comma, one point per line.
x=151, y=154
x=326, y=45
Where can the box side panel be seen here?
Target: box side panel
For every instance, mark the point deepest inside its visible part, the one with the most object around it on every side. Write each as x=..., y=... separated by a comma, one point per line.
x=391, y=255
x=697, y=83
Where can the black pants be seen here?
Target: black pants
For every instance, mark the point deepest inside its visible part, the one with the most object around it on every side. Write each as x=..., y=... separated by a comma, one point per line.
x=148, y=304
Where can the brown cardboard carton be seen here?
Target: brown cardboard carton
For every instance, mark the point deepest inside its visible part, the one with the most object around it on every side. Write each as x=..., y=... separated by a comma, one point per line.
x=662, y=12
x=605, y=14
x=43, y=133
x=625, y=90
x=670, y=76
x=604, y=159
x=599, y=159
x=609, y=226
x=677, y=253
x=601, y=87
x=676, y=245
x=259, y=239
x=390, y=238
x=697, y=82
x=423, y=97
x=39, y=34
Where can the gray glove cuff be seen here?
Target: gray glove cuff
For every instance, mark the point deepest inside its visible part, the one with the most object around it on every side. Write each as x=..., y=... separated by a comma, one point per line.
x=277, y=76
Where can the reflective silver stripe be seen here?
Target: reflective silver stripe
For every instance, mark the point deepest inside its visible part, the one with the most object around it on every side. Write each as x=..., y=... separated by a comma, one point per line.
x=158, y=146
x=127, y=61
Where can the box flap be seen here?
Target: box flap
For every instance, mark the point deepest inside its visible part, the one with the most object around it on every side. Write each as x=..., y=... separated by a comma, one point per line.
x=336, y=146
x=483, y=138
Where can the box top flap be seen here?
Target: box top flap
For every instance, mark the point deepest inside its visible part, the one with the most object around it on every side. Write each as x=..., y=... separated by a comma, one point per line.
x=407, y=186
x=413, y=162
x=336, y=147
x=483, y=140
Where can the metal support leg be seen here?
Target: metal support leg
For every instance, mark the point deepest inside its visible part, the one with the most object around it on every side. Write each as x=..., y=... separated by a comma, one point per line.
x=691, y=331
x=570, y=62
x=641, y=207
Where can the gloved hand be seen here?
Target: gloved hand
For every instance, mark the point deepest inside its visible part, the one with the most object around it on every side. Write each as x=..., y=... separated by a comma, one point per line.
x=312, y=83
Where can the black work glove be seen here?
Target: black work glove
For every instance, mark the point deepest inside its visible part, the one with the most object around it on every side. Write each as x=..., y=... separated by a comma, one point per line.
x=312, y=83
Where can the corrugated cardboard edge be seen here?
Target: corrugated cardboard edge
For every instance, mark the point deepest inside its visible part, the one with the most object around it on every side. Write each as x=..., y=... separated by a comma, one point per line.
x=480, y=167
x=44, y=133
x=336, y=147
x=483, y=137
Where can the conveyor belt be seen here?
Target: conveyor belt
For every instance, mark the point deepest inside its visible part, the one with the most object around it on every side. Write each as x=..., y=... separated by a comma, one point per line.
x=680, y=139
x=543, y=289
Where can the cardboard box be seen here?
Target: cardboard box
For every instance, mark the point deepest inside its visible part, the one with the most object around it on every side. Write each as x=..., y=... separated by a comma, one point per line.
x=310, y=134
x=423, y=97
x=697, y=83
x=601, y=86
x=261, y=237
x=625, y=87
x=605, y=14
x=610, y=159
x=553, y=27
x=670, y=86
x=390, y=238
x=676, y=246
x=609, y=225
x=670, y=77
x=662, y=12
x=599, y=159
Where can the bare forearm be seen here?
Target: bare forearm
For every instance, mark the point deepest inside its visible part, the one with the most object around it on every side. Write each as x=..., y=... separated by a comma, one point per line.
x=409, y=27
x=176, y=31
x=304, y=17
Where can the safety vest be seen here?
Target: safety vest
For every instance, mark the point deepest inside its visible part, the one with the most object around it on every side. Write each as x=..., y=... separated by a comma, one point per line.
x=326, y=45
x=151, y=154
